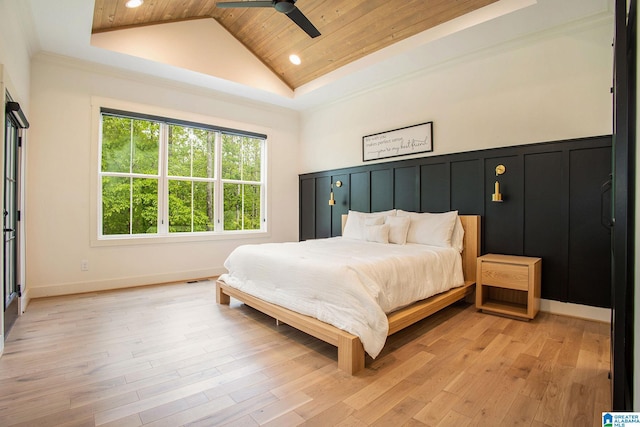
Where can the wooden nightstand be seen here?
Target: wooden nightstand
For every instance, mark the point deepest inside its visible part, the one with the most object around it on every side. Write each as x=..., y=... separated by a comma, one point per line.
x=508, y=285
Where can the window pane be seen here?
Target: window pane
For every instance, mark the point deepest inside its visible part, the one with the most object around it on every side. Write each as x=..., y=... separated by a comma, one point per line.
x=116, y=206
x=116, y=144
x=203, y=206
x=179, y=151
x=118, y=135
x=241, y=207
x=191, y=152
x=241, y=157
x=179, y=206
x=146, y=145
x=145, y=206
x=203, y=153
x=187, y=216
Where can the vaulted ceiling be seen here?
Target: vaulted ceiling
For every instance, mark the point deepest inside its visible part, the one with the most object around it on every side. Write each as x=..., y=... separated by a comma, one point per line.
x=364, y=44
x=350, y=29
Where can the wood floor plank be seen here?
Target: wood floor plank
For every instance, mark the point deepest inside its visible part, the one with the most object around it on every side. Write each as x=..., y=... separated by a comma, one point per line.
x=400, y=414
x=435, y=411
x=280, y=407
x=212, y=414
x=169, y=356
x=453, y=418
x=382, y=405
x=333, y=415
x=522, y=411
x=385, y=382
x=500, y=396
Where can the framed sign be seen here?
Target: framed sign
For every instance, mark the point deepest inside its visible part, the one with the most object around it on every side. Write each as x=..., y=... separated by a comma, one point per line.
x=398, y=142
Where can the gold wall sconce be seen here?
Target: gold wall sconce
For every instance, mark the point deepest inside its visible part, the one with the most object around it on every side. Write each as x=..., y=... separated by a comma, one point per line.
x=332, y=201
x=497, y=196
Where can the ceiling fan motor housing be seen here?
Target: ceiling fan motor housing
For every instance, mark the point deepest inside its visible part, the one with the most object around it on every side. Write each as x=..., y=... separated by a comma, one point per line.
x=284, y=6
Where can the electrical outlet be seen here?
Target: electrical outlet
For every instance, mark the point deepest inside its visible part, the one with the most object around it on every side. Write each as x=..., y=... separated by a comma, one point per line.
x=84, y=265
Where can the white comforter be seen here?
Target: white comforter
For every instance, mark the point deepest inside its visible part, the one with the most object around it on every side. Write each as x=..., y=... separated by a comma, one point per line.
x=347, y=283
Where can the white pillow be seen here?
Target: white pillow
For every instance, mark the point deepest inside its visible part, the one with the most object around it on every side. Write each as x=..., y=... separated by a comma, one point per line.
x=356, y=222
x=433, y=229
x=398, y=228
x=457, y=237
x=377, y=233
x=374, y=220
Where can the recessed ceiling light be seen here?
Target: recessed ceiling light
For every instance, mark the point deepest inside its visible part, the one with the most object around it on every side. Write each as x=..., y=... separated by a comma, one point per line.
x=134, y=3
x=295, y=59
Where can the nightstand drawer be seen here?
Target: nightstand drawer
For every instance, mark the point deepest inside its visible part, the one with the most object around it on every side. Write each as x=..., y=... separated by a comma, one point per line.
x=505, y=275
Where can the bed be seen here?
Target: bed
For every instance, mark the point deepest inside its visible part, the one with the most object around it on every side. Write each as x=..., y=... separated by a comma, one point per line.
x=268, y=277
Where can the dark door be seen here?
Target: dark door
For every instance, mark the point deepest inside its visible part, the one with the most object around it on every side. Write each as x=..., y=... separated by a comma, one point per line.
x=10, y=223
x=622, y=336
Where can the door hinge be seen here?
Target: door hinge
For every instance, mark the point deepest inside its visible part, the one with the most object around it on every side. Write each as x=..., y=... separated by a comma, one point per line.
x=19, y=290
x=18, y=216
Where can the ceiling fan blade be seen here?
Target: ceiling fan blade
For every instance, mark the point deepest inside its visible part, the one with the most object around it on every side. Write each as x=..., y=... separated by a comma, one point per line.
x=298, y=17
x=229, y=4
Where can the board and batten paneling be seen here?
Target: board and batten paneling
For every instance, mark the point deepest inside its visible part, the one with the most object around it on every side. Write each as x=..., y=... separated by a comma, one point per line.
x=546, y=217
x=589, y=239
x=341, y=203
x=381, y=190
x=553, y=205
x=503, y=220
x=467, y=189
x=435, y=177
x=360, y=191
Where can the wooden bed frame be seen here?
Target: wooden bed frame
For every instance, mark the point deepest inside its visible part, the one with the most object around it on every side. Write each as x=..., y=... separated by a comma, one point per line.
x=351, y=355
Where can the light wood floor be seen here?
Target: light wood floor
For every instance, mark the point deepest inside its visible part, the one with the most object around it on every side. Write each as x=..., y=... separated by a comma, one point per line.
x=169, y=356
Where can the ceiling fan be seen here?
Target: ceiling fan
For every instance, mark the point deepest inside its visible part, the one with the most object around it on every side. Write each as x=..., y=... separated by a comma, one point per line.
x=287, y=7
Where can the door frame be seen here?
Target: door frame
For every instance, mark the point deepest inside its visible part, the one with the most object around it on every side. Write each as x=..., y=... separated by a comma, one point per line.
x=5, y=97
x=11, y=219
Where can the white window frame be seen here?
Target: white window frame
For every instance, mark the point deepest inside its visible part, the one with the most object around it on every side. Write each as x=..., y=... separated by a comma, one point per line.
x=163, y=235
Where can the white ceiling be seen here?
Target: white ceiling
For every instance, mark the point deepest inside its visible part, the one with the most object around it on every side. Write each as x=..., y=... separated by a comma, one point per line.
x=63, y=27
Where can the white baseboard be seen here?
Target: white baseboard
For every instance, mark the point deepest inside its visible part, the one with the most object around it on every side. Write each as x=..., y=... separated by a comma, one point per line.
x=576, y=310
x=24, y=300
x=120, y=283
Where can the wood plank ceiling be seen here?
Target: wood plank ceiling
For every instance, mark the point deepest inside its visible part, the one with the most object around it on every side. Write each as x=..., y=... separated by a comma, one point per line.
x=351, y=29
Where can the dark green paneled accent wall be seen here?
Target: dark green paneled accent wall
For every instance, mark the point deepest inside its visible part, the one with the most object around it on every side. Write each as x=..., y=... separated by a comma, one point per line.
x=553, y=205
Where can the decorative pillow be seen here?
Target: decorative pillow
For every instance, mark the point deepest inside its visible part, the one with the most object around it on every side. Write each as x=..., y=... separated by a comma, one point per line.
x=457, y=237
x=398, y=228
x=374, y=220
x=377, y=233
x=356, y=222
x=433, y=229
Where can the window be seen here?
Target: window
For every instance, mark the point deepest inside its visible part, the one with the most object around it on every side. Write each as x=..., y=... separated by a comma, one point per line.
x=162, y=177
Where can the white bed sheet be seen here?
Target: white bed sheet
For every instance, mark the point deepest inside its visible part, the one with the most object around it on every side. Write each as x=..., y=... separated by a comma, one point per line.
x=350, y=284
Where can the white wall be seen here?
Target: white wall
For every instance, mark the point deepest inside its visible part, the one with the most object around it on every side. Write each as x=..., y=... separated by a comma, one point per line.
x=551, y=86
x=15, y=52
x=180, y=44
x=59, y=172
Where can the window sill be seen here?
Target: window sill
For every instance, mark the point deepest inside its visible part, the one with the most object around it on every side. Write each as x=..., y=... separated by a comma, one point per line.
x=176, y=238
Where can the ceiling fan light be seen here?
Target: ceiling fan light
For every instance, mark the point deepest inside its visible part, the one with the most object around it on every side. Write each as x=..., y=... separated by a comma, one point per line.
x=133, y=3
x=295, y=59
